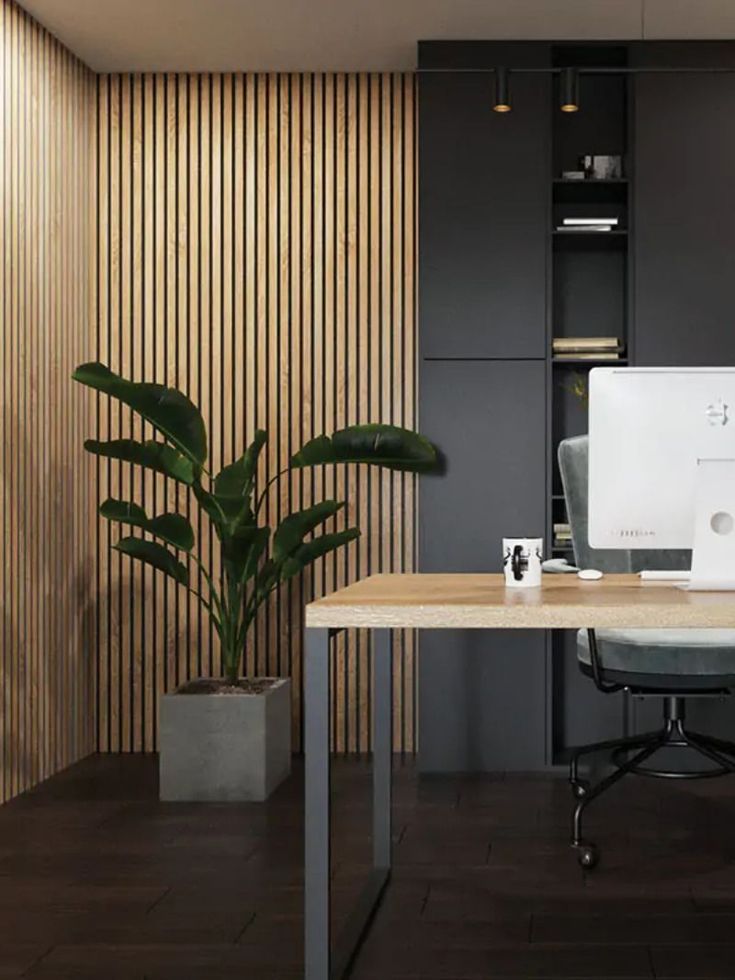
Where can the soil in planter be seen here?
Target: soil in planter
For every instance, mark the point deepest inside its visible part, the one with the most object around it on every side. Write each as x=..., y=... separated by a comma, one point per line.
x=218, y=685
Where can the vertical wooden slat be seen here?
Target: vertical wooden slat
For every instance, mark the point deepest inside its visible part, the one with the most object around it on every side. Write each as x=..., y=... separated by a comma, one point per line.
x=292, y=614
x=191, y=648
x=4, y=294
x=182, y=218
x=159, y=323
x=139, y=279
x=409, y=381
x=204, y=331
x=251, y=289
x=339, y=381
x=173, y=244
x=353, y=694
x=102, y=580
x=150, y=358
x=114, y=489
x=285, y=378
x=362, y=389
x=269, y=341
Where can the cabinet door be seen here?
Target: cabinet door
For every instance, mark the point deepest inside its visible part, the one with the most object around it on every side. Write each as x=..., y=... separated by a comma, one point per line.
x=482, y=694
x=484, y=201
x=684, y=193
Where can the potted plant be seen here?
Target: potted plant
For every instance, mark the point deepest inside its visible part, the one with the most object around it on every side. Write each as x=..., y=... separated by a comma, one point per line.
x=228, y=738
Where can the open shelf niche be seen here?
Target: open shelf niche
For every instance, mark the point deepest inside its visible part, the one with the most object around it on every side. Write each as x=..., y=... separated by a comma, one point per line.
x=589, y=298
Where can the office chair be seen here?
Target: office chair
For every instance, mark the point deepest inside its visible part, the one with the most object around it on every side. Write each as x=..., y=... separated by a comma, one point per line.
x=672, y=664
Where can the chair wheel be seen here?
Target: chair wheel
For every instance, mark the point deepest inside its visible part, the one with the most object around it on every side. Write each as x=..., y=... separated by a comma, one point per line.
x=580, y=789
x=588, y=856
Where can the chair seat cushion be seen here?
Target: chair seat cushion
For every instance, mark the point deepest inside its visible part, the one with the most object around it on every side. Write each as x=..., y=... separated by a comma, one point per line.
x=672, y=652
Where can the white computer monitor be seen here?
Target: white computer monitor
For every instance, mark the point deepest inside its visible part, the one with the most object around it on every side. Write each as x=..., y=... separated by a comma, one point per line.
x=662, y=464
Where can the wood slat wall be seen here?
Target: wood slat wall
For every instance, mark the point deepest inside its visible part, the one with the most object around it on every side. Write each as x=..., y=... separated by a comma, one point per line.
x=47, y=566
x=256, y=247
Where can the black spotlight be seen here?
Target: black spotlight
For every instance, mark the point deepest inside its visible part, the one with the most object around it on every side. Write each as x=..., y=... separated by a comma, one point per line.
x=569, y=90
x=502, y=91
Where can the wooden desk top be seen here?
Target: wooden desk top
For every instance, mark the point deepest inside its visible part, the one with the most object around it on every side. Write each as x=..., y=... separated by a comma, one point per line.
x=483, y=602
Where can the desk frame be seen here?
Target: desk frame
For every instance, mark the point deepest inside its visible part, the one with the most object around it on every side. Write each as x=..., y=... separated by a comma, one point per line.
x=407, y=601
x=321, y=961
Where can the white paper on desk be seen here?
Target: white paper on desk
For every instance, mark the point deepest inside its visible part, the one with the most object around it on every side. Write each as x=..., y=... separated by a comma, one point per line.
x=665, y=575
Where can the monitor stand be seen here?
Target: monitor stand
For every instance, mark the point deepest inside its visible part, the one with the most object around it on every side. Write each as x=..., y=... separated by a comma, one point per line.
x=713, y=556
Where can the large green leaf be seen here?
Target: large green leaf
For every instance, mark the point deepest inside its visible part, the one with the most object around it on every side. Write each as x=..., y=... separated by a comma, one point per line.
x=312, y=550
x=209, y=504
x=233, y=487
x=167, y=409
x=236, y=480
x=293, y=529
x=267, y=576
x=124, y=511
x=155, y=555
x=171, y=528
x=380, y=445
x=151, y=454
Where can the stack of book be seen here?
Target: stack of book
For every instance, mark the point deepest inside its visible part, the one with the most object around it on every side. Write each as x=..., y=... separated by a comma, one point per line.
x=588, y=224
x=562, y=536
x=587, y=348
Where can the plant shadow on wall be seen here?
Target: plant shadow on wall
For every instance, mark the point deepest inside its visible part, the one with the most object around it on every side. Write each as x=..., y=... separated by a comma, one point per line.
x=202, y=739
x=47, y=622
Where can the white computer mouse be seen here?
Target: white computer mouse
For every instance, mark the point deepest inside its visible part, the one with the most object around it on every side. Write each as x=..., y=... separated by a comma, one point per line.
x=589, y=574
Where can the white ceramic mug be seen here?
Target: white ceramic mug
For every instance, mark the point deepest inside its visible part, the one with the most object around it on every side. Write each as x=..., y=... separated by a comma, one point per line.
x=522, y=562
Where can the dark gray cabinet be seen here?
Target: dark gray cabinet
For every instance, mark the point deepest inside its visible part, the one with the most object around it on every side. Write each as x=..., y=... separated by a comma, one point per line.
x=482, y=694
x=496, y=283
x=684, y=294
x=483, y=203
x=489, y=417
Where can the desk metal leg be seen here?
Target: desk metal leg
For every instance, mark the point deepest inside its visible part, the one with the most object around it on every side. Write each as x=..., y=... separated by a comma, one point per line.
x=382, y=747
x=316, y=805
x=320, y=964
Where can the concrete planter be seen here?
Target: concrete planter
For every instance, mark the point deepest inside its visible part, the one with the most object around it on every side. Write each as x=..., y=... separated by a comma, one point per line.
x=225, y=747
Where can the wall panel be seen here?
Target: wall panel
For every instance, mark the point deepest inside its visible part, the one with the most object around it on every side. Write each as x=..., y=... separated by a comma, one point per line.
x=256, y=248
x=47, y=562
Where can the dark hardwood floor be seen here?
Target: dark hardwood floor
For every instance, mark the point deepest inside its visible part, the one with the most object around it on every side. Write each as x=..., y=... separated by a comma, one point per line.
x=99, y=880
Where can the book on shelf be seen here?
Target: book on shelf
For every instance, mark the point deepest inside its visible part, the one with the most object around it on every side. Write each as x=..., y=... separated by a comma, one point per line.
x=587, y=343
x=597, y=342
x=572, y=229
x=588, y=356
x=591, y=346
x=582, y=222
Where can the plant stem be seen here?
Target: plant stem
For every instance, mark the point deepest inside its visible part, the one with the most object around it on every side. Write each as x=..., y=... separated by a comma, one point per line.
x=232, y=600
x=266, y=488
x=232, y=672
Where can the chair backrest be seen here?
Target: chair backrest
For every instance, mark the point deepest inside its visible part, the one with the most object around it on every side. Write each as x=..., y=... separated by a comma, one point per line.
x=573, y=464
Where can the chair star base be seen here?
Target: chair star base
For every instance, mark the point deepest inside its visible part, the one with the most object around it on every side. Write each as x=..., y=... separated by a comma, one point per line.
x=673, y=735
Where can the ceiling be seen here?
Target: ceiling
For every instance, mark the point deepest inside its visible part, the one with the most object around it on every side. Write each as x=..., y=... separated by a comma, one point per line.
x=324, y=35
